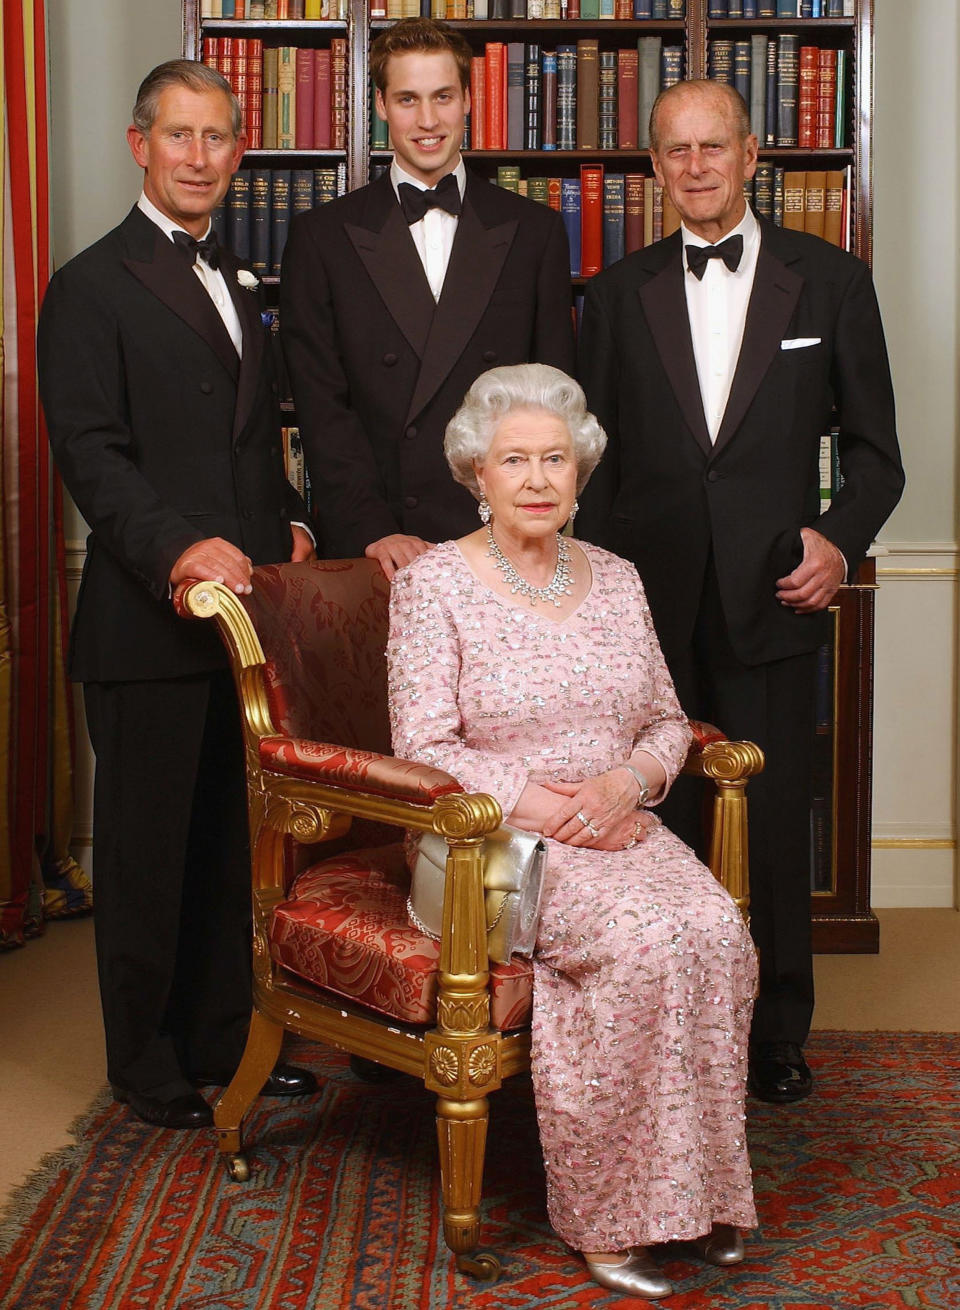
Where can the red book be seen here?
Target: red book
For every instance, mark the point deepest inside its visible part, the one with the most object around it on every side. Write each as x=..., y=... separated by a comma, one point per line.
x=633, y=213
x=623, y=10
x=657, y=211
x=239, y=9
x=495, y=122
x=627, y=117
x=226, y=58
x=239, y=80
x=573, y=9
x=210, y=51
x=826, y=99
x=254, y=117
x=591, y=219
x=807, y=97
x=478, y=103
x=554, y=192
x=338, y=93
x=322, y=105
x=306, y=75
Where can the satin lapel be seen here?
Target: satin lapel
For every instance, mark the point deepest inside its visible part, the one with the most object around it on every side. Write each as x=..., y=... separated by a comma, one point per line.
x=776, y=290
x=665, y=306
x=476, y=260
x=247, y=304
x=169, y=277
x=391, y=260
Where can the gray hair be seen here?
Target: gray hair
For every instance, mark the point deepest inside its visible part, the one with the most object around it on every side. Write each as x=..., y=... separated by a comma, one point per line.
x=180, y=72
x=500, y=392
x=736, y=105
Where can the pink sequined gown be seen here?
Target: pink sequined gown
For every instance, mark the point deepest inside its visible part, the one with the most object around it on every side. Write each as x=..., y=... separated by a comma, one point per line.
x=644, y=974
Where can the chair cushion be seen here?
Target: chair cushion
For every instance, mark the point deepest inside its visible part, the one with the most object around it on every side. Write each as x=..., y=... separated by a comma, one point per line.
x=379, y=775
x=344, y=927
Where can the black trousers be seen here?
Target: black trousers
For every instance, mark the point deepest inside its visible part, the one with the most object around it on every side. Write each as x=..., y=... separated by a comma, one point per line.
x=773, y=705
x=172, y=879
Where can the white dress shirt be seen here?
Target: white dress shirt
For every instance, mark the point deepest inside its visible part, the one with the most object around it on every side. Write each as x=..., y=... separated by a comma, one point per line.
x=212, y=278
x=717, y=309
x=434, y=233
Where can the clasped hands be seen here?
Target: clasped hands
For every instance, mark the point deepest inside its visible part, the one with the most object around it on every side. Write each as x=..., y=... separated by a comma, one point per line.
x=600, y=812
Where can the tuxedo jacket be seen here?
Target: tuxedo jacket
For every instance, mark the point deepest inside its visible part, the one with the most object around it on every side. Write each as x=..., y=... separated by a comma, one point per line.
x=665, y=497
x=378, y=368
x=163, y=436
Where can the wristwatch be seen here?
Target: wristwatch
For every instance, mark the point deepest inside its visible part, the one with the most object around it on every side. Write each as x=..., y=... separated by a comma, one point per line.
x=644, y=795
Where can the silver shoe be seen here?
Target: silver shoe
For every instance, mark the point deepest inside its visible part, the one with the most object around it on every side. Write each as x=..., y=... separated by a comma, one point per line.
x=723, y=1245
x=637, y=1276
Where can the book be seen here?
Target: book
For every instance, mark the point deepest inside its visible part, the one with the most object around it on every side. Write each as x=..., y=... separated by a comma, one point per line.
x=532, y=96
x=508, y=177
x=238, y=214
x=613, y=218
x=833, y=207
x=301, y=190
x=286, y=97
x=306, y=72
x=271, y=59
x=588, y=90
x=478, y=102
x=548, y=104
x=788, y=79
x=741, y=69
x=570, y=213
x=591, y=219
x=279, y=216
x=338, y=93
x=627, y=124
x=495, y=133
x=770, y=116
x=720, y=55
x=808, y=96
x=608, y=100
x=758, y=86
x=794, y=187
x=259, y=206
x=633, y=213
x=566, y=97
x=516, y=65
x=648, y=83
x=323, y=107
x=763, y=189
x=826, y=99
x=254, y=114
x=671, y=66
x=813, y=201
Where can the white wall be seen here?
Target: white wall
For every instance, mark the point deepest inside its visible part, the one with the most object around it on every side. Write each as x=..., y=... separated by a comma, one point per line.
x=100, y=49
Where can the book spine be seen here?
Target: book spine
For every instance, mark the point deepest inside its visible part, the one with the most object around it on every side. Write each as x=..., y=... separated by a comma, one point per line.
x=591, y=219
x=671, y=66
x=721, y=61
x=588, y=85
x=324, y=185
x=323, y=104
x=741, y=68
x=808, y=96
x=271, y=94
x=627, y=133
x=570, y=213
x=286, y=98
x=279, y=216
x=770, y=116
x=614, y=235
x=538, y=190
x=758, y=87
x=833, y=207
x=549, y=103
x=478, y=102
x=657, y=212
x=238, y=214
x=338, y=93
x=532, y=96
x=494, y=128
x=515, y=95
x=648, y=83
x=788, y=77
x=778, y=175
x=260, y=220
x=633, y=213
x=508, y=177
x=841, y=109
x=813, y=202
x=210, y=52
x=734, y=8
x=255, y=93
x=826, y=99
x=301, y=191
x=306, y=89
x=794, y=186
x=608, y=100
x=554, y=193
x=567, y=97
x=763, y=189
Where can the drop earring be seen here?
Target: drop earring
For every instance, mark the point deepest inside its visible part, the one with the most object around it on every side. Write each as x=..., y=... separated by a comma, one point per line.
x=483, y=509
x=574, y=509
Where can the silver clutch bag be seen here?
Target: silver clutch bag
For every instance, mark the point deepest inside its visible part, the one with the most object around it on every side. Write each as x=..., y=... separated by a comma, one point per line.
x=513, y=866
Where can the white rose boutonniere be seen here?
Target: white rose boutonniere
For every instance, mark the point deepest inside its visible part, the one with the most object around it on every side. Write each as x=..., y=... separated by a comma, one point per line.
x=247, y=279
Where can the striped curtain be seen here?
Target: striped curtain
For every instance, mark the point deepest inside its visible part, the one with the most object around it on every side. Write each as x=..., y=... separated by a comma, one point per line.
x=38, y=879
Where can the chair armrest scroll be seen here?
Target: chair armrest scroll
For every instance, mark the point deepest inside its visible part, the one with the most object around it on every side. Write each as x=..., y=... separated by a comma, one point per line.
x=212, y=600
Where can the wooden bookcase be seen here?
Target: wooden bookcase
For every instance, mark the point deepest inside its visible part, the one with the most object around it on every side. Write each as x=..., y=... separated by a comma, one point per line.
x=843, y=921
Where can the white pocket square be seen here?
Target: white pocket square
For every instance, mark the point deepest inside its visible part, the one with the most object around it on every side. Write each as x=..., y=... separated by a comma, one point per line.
x=798, y=343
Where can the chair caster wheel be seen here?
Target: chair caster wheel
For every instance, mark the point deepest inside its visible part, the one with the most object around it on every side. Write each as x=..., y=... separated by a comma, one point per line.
x=237, y=1168
x=484, y=1266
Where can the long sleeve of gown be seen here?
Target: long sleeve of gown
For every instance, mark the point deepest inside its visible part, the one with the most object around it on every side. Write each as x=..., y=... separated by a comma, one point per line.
x=664, y=731
x=423, y=671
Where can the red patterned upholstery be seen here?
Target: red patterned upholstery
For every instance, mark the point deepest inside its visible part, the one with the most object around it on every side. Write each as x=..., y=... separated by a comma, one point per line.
x=380, y=775
x=704, y=734
x=345, y=928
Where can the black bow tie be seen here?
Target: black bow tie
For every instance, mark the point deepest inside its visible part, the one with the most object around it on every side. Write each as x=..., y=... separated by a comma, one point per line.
x=207, y=249
x=415, y=202
x=730, y=251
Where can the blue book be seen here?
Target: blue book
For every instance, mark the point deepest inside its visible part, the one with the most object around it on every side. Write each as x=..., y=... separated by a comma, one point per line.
x=750, y=9
x=770, y=116
x=570, y=213
x=717, y=9
x=643, y=8
x=659, y=8
x=260, y=220
x=613, y=218
x=280, y=206
x=238, y=214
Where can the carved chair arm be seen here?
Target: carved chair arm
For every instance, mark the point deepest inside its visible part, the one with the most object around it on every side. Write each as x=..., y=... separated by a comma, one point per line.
x=357, y=770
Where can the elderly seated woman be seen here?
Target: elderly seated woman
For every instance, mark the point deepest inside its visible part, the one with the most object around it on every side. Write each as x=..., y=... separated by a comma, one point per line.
x=525, y=663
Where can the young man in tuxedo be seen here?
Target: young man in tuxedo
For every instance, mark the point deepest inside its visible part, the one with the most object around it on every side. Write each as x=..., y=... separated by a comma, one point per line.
x=395, y=297
x=162, y=409
x=714, y=359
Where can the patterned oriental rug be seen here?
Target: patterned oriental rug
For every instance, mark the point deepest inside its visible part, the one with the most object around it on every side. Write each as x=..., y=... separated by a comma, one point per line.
x=858, y=1192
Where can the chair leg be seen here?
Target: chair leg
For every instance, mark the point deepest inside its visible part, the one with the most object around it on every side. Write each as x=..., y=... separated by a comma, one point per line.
x=462, y=1137
x=259, y=1056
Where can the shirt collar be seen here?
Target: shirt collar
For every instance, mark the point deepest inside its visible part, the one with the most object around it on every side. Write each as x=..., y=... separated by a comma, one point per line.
x=398, y=175
x=748, y=228
x=166, y=225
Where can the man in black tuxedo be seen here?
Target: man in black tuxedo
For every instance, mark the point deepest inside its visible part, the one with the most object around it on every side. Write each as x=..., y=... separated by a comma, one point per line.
x=394, y=299
x=162, y=409
x=714, y=360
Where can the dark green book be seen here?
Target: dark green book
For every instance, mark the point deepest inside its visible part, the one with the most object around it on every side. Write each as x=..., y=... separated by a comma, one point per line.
x=260, y=220
x=280, y=202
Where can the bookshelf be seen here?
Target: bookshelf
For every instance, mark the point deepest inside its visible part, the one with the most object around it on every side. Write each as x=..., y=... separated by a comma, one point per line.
x=840, y=825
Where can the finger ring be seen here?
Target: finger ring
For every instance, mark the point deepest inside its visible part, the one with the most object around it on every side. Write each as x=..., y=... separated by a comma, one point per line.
x=583, y=818
x=638, y=830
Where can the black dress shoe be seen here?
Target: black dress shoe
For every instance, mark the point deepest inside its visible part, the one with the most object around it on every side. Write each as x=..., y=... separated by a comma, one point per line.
x=187, y=1111
x=285, y=1080
x=779, y=1073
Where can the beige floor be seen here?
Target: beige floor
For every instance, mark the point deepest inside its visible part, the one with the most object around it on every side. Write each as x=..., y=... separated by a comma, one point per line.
x=52, y=1049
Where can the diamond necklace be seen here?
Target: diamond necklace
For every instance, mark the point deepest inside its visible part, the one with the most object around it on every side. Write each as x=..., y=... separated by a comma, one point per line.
x=554, y=591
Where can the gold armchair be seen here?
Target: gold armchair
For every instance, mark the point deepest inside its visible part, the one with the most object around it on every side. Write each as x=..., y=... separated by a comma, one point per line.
x=334, y=956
